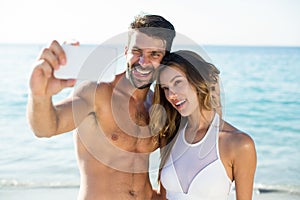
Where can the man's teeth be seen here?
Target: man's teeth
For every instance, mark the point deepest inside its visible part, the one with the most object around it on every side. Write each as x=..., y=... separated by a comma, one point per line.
x=180, y=102
x=143, y=72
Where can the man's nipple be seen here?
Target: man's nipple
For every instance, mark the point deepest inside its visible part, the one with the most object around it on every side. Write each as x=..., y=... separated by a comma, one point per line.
x=114, y=137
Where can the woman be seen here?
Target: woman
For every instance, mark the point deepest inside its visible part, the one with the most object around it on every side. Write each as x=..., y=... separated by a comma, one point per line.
x=201, y=154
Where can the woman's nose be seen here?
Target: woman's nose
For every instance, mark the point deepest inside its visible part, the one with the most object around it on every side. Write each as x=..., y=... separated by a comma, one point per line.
x=172, y=94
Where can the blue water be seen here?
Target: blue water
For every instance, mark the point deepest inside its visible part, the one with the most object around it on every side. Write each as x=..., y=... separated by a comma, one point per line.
x=261, y=96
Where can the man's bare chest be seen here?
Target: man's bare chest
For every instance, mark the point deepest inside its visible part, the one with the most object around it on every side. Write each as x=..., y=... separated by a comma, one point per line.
x=119, y=131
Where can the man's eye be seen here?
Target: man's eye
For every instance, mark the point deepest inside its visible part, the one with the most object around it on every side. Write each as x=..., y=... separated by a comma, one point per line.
x=156, y=55
x=135, y=52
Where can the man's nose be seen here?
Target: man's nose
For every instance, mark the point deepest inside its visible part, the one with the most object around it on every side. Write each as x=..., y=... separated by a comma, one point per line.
x=143, y=60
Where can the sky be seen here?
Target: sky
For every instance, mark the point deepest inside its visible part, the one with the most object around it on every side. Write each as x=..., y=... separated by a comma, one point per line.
x=209, y=22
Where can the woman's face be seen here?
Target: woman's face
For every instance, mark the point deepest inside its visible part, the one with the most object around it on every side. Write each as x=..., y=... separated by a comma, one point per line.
x=178, y=91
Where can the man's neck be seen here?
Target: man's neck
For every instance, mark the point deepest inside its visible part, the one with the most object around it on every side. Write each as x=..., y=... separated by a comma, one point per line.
x=125, y=86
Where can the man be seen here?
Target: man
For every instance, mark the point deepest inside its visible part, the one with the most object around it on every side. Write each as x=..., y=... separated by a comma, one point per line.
x=112, y=139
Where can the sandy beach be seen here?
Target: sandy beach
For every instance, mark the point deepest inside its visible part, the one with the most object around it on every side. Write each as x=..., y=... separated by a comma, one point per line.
x=272, y=196
x=71, y=194
x=39, y=193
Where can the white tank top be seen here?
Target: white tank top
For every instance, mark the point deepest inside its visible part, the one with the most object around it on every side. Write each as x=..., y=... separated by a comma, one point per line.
x=195, y=171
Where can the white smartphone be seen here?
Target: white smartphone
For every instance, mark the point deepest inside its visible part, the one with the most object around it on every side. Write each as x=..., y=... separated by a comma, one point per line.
x=86, y=62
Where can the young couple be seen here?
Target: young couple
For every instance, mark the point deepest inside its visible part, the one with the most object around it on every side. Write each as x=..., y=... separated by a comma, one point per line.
x=115, y=131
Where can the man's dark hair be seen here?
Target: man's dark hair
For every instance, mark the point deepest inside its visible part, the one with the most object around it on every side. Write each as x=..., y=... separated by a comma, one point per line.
x=154, y=26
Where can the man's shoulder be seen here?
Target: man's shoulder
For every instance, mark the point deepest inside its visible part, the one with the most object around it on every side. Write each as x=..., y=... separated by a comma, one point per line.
x=91, y=88
x=106, y=88
x=85, y=87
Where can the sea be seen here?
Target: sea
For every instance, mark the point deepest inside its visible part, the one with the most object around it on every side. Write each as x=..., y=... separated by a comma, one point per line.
x=260, y=96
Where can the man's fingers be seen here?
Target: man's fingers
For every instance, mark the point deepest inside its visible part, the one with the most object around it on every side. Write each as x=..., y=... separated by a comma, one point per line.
x=58, y=51
x=67, y=83
x=49, y=56
x=45, y=67
x=54, y=54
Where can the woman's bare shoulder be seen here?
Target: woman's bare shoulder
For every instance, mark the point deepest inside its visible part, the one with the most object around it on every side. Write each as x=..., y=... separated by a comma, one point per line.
x=235, y=138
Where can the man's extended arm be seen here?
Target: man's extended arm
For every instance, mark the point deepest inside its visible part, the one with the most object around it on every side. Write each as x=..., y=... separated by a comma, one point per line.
x=46, y=119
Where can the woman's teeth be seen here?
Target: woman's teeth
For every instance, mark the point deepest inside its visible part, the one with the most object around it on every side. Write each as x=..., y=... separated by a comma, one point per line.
x=180, y=103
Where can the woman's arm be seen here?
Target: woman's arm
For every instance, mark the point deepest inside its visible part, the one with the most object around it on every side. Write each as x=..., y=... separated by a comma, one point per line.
x=244, y=165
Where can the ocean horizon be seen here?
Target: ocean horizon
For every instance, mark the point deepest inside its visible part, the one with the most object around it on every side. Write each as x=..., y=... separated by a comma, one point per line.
x=260, y=94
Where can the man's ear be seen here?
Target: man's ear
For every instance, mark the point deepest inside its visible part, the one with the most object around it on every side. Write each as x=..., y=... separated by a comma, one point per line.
x=125, y=50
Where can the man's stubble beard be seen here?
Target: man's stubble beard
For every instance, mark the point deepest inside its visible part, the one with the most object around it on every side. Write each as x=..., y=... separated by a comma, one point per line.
x=132, y=81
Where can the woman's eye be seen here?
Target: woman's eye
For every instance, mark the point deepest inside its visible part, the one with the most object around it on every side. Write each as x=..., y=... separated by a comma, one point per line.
x=177, y=82
x=165, y=88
